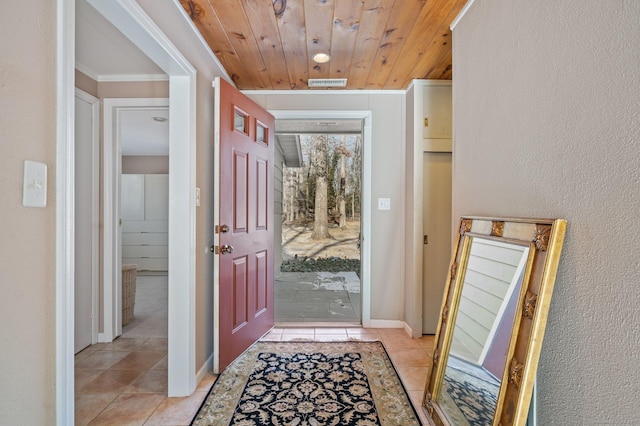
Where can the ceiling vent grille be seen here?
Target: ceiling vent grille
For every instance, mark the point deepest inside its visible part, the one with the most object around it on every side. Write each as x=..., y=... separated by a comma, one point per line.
x=327, y=82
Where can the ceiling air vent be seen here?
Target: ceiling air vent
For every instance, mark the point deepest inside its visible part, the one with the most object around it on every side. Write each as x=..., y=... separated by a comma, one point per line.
x=327, y=82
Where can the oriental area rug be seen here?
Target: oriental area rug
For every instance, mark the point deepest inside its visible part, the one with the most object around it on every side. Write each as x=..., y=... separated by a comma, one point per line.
x=468, y=400
x=309, y=384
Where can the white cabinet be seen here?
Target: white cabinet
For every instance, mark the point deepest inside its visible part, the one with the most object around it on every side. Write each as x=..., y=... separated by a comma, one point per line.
x=434, y=112
x=428, y=222
x=144, y=212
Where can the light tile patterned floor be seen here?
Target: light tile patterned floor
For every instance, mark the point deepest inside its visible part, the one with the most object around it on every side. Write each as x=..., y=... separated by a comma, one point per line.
x=125, y=382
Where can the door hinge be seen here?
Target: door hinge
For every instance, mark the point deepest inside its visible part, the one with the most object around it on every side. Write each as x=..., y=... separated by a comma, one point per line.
x=425, y=239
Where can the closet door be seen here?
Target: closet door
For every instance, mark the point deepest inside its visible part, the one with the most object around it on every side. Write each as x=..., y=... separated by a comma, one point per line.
x=145, y=213
x=132, y=197
x=156, y=197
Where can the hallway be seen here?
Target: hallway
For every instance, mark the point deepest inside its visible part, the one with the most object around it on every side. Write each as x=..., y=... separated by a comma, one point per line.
x=125, y=382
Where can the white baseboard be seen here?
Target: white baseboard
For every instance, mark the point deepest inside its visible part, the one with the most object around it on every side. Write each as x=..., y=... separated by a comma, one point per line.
x=206, y=368
x=375, y=323
x=104, y=338
x=408, y=329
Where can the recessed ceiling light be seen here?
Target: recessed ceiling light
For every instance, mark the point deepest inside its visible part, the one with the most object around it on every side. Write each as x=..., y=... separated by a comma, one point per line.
x=321, y=58
x=160, y=119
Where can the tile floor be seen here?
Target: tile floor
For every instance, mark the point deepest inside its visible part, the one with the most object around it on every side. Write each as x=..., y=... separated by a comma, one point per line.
x=125, y=382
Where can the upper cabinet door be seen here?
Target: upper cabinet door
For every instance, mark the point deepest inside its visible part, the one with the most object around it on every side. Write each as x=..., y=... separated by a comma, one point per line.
x=156, y=197
x=437, y=112
x=132, y=197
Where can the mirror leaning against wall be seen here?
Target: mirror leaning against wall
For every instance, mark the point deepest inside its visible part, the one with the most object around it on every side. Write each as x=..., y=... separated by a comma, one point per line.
x=492, y=321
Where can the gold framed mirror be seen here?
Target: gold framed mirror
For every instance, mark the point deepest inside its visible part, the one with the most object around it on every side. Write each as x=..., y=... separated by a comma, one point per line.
x=492, y=321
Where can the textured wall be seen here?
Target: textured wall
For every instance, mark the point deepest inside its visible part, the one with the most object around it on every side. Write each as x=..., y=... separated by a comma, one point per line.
x=547, y=123
x=27, y=235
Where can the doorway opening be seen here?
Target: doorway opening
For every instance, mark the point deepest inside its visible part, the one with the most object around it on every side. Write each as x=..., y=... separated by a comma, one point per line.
x=144, y=211
x=319, y=277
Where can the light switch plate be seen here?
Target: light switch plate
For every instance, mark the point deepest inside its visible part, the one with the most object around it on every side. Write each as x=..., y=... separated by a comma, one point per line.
x=34, y=188
x=384, y=203
x=197, y=197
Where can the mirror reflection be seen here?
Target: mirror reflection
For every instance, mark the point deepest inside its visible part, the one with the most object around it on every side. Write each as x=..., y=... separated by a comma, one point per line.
x=482, y=331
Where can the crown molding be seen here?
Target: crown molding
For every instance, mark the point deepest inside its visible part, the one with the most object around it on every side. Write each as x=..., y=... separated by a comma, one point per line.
x=461, y=14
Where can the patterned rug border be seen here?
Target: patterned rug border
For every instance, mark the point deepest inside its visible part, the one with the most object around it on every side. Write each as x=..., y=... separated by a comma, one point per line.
x=279, y=344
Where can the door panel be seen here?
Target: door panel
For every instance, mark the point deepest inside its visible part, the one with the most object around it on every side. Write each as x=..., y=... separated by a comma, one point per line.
x=244, y=305
x=84, y=232
x=436, y=222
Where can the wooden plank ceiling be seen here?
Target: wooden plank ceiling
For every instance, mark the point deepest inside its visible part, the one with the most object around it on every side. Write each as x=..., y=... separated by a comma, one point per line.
x=375, y=44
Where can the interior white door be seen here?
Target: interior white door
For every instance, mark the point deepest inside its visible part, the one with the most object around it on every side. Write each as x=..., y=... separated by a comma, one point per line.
x=85, y=243
x=436, y=223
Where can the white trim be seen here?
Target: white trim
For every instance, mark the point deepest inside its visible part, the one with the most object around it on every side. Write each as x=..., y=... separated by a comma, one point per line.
x=120, y=77
x=64, y=211
x=205, y=370
x=323, y=92
x=367, y=148
x=408, y=329
x=131, y=77
x=95, y=207
x=376, y=323
x=216, y=219
x=203, y=42
x=135, y=24
x=112, y=278
x=86, y=71
x=418, y=83
x=461, y=14
x=182, y=236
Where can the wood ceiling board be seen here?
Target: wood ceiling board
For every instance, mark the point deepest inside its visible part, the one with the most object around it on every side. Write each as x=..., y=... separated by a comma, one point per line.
x=319, y=23
x=233, y=18
x=396, y=32
x=262, y=17
x=440, y=45
x=375, y=44
x=442, y=70
x=207, y=22
x=346, y=23
x=425, y=28
x=292, y=33
x=375, y=14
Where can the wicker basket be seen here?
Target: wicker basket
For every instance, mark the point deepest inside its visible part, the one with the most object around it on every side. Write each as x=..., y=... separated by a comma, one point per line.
x=129, y=275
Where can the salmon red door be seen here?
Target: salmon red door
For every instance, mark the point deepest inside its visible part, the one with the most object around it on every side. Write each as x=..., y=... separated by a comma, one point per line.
x=243, y=305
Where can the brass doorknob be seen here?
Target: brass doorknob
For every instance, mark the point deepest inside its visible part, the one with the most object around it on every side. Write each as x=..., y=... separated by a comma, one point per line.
x=226, y=249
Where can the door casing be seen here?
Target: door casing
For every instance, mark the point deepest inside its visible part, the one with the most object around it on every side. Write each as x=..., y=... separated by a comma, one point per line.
x=94, y=202
x=129, y=17
x=366, y=117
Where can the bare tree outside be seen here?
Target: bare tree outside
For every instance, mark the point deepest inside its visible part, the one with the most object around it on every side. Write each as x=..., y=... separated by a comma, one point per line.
x=321, y=206
x=342, y=184
x=321, y=217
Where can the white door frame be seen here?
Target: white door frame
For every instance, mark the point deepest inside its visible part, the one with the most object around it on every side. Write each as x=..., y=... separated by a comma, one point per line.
x=129, y=17
x=112, y=156
x=95, y=206
x=64, y=205
x=366, y=117
x=135, y=24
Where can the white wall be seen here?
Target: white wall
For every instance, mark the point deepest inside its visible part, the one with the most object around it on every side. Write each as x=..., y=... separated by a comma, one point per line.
x=546, y=123
x=387, y=241
x=27, y=235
